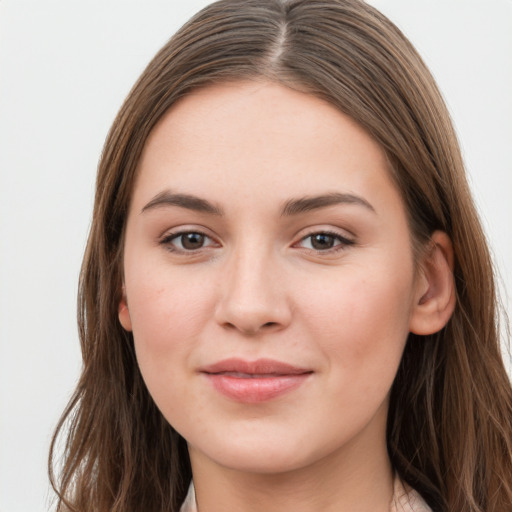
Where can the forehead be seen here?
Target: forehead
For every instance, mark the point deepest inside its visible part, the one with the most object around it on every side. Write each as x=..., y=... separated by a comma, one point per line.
x=256, y=138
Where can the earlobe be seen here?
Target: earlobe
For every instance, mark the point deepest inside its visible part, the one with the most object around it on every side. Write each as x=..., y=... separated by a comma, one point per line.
x=124, y=313
x=435, y=297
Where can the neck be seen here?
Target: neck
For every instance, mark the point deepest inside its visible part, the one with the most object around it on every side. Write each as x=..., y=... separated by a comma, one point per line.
x=356, y=477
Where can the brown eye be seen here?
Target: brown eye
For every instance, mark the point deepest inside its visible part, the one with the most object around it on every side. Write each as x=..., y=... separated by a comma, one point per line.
x=192, y=241
x=322, y=241
x=325, y=241
x=186, y=241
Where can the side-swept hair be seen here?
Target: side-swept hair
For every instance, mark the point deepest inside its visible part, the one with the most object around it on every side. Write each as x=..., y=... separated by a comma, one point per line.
x=449, y=430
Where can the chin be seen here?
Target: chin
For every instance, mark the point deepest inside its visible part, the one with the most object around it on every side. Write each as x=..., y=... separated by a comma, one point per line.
x=260, y=456
x=265, y=462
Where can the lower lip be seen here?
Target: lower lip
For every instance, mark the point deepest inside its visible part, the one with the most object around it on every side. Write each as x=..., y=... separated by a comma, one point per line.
x=258, y=389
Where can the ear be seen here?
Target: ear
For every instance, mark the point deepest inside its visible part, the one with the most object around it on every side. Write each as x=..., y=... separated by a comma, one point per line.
x=123, y=312
x=435, y=287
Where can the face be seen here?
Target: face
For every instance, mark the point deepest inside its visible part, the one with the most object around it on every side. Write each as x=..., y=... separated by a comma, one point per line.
x=269, y=278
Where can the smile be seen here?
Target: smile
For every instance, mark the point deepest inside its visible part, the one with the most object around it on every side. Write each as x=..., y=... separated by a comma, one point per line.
x=256, y=381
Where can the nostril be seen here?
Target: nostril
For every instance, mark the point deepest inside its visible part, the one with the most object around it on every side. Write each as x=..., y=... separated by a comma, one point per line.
x=251, y=330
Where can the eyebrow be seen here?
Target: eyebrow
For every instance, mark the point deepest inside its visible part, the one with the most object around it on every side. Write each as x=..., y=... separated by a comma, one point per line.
x=306, y=204
x=190, y=202
x=290, y=208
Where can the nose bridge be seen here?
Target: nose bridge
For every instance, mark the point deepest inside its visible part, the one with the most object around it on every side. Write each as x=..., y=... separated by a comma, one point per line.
x=252, y=295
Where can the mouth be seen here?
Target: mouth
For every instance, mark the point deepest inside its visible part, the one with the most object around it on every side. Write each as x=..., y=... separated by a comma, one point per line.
x=254, y=381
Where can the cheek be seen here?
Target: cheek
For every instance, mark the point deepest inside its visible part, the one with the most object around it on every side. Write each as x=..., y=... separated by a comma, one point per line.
x=364, y=317
x=168, y=314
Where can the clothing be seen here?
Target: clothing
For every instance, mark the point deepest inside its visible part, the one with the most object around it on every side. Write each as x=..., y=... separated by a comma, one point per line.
x=404, y=499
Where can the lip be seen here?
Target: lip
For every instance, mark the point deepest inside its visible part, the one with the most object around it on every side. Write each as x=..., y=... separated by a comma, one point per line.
x=254, y=381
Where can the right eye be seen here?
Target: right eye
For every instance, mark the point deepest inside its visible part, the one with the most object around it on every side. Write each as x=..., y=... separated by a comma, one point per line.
x=187, y=241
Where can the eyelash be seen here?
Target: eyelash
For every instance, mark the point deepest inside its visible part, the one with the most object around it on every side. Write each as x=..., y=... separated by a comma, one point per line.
x=168, y=239
x=342, y=244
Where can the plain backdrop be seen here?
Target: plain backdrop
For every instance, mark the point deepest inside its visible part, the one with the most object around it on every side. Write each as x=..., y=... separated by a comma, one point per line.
x=65, y=68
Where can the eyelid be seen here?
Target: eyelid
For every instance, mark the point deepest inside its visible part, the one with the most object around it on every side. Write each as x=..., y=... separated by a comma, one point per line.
x=344, y=240
x=167, y=238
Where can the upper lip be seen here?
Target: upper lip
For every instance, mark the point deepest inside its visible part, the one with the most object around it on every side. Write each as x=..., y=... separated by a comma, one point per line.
x=257, y=367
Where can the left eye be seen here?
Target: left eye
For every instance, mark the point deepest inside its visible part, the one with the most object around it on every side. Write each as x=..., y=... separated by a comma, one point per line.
x=189, y=241
x=323, y=241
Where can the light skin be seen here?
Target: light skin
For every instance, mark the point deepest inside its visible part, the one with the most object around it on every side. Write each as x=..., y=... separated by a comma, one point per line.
x=264, y=224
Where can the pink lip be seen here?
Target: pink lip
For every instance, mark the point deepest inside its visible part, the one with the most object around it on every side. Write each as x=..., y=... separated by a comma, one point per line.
x=254, y=381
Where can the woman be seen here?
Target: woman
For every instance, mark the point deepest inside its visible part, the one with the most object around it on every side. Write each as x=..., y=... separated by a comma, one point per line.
x=286, y=292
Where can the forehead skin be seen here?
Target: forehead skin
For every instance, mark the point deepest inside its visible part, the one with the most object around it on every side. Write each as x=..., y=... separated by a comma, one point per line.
x=220, y=120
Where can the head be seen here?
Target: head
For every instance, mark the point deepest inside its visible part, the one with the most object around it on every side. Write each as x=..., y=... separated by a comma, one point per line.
x=352, y=59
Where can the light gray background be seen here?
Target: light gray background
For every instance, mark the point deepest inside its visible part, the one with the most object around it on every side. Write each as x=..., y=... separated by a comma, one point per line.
x=65, y=67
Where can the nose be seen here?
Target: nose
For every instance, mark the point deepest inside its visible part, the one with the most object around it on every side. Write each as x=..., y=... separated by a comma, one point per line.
x=253, y=297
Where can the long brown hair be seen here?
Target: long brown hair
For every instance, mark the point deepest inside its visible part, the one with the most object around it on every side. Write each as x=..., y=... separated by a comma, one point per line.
x=449, y=429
